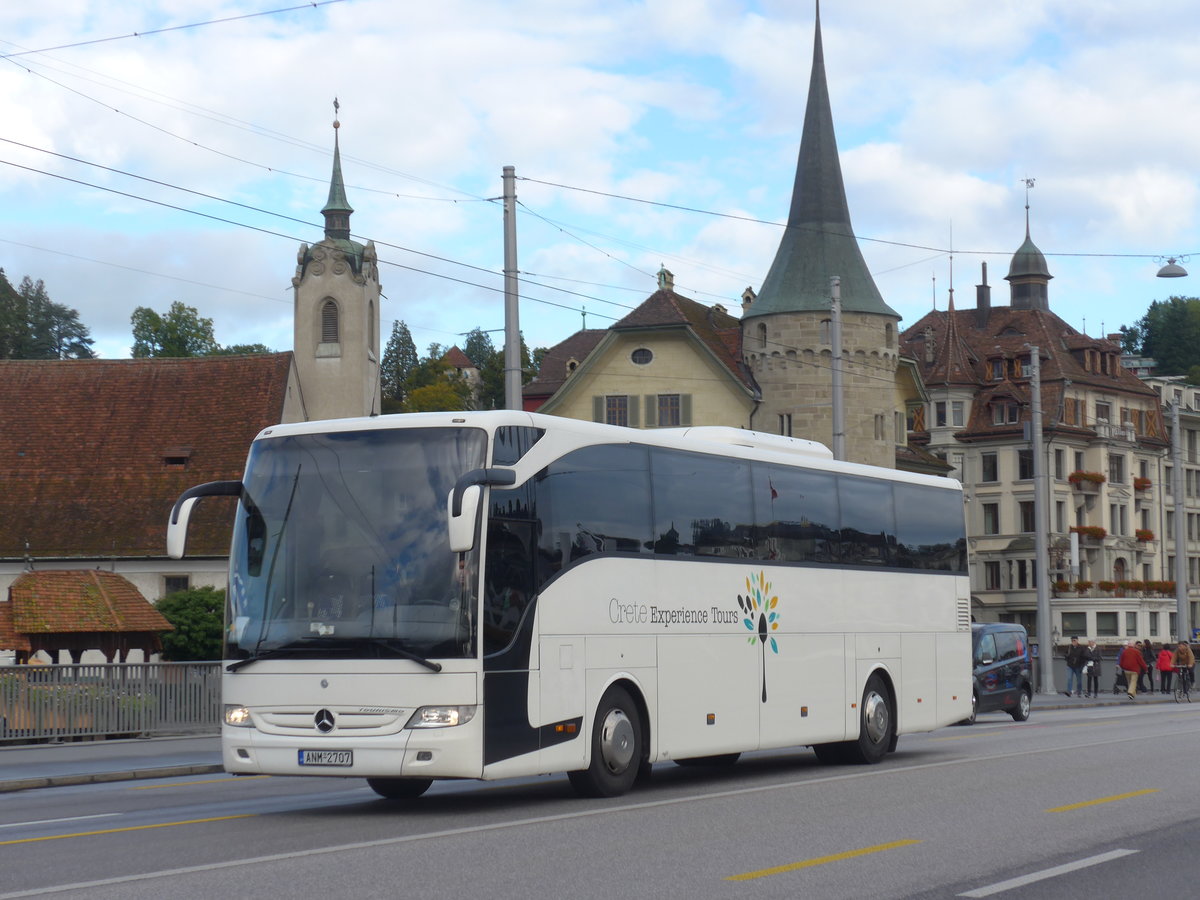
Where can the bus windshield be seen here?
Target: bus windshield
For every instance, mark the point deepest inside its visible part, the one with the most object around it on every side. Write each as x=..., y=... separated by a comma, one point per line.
x=340, y=547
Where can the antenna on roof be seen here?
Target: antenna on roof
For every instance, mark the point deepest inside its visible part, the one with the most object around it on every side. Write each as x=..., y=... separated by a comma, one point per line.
x=1028, y=187
x=935, y=291
x=583, y=312
x=952, y=264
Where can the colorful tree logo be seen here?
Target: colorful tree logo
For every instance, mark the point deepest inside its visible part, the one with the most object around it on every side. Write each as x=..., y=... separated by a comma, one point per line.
x=760, y=618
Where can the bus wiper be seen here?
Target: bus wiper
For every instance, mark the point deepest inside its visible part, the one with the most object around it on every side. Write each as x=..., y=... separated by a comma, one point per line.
x=312, y=645
x=395, y=647
x=302, y=646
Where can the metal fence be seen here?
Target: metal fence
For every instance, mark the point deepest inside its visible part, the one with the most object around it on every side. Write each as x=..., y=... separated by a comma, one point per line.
x=125, y=699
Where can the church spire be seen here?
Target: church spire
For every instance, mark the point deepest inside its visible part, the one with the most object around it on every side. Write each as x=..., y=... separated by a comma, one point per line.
x=337, y=208
x=819, y=241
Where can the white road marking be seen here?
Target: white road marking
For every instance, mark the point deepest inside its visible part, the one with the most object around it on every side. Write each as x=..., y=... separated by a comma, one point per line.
x=66, y=819
x=1066, y=868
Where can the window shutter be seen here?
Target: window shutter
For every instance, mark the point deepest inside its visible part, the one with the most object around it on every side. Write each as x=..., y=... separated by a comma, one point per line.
x=651, y=401
x=634, y=421
x=685, y=409
x=329, y=322
x=597, y=409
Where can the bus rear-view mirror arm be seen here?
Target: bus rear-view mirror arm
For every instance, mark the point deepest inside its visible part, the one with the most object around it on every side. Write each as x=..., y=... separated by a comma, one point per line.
x=463, y=504
x=177, y=525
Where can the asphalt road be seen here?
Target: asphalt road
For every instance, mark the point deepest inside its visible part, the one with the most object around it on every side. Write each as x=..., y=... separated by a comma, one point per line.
x=1074, y=803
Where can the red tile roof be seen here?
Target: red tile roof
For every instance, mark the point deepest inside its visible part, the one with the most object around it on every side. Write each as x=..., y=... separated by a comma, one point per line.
x=9, y=639
x=93, y=453
x=80, y=600
x=553, y=370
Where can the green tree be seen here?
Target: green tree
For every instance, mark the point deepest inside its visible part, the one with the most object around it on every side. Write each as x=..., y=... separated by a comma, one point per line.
x=32, y=326
x=242, y=350
x=490, y=361
x=399, y=360
x=181, y=332
x=441, y=396
x=197, y=615
x=1170, y=333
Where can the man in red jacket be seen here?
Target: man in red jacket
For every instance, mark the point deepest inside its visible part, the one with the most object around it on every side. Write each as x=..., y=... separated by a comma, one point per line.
x=1133, y=665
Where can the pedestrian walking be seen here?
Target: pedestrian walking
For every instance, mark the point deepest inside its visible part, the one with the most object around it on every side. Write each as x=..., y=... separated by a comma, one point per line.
x=1075, y=661
x=1150, y=658
x=1133, y=664
x=1166, y=668
x=1091, y=671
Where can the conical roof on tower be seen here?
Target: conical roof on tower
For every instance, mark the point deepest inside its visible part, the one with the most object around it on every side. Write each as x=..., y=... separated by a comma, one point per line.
x=337, y=208
x=819, y=240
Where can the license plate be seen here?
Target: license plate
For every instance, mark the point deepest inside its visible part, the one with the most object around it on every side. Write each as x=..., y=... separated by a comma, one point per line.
x=326, y=757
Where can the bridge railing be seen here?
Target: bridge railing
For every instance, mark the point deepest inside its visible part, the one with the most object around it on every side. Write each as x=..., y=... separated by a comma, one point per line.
x=125, y=699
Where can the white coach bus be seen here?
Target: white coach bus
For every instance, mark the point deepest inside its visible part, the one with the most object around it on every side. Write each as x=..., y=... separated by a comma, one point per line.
x=496, y=594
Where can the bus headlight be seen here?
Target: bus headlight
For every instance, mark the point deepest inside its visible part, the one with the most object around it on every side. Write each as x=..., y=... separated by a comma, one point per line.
x=441, y=716
x=237, y=716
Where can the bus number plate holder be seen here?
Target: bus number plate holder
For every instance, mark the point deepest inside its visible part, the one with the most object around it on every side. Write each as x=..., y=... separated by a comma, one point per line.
x=326, y=757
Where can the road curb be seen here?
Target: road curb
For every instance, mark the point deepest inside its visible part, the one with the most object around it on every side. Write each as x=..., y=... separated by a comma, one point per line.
x=48, y=781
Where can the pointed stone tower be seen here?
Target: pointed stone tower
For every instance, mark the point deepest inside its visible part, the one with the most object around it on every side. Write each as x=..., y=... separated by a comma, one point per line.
x=786, y=329
x=336, y=330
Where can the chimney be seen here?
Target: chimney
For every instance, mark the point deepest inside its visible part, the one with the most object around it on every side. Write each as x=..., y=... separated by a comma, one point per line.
x=983, y=300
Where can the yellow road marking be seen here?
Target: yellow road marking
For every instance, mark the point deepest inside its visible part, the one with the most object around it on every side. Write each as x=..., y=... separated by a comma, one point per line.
x=1087, y=803
x=820, y=861
x=59, y=837
x=226, y=780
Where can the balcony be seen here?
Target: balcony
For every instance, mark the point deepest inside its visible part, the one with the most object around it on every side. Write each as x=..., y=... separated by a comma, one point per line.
x=1086, y=482
x=1089, y=535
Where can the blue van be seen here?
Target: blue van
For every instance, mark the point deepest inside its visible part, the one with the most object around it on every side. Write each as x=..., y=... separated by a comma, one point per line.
x=1003, y=671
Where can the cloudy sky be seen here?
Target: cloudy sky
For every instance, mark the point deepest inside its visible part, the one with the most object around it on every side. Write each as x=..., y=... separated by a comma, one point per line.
x=189, y=164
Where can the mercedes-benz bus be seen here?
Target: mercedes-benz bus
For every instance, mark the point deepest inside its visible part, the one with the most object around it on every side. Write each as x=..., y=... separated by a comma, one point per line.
x=494, y=594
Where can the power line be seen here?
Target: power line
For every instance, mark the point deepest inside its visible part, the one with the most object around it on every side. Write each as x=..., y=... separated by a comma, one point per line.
x=121, y=37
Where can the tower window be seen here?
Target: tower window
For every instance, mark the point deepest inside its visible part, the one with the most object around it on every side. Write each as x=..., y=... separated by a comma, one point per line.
x=329, y=322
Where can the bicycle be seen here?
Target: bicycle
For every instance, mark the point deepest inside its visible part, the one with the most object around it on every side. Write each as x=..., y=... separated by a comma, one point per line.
x=1183, y=684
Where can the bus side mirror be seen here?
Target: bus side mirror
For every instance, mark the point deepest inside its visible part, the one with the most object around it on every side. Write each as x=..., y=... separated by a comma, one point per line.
x=462, y=525
x=177, y=524
x=462, y=506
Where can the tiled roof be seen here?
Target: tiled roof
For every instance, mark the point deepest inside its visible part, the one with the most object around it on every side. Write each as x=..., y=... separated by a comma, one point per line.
x=716, y=329
x=458, y=359
x=967, y=340
x=93, y=453
x=9, y=639
x=553, y=370
x=80, y=600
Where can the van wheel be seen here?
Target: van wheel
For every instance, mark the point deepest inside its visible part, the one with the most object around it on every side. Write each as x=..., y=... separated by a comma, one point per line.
x=1020, y=712
x=399, y=788
x=617, y=748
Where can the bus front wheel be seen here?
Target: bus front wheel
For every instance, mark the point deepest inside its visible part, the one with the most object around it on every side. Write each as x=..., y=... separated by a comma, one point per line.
x=617, y=747
x=399, y=788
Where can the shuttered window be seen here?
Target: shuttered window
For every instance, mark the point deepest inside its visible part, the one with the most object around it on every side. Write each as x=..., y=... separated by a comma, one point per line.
x=329, y=322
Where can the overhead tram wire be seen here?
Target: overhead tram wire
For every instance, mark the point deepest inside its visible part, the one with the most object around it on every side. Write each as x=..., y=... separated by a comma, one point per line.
x=292, y=238
x=848, y=235
x=468, y=196
x=313, y=4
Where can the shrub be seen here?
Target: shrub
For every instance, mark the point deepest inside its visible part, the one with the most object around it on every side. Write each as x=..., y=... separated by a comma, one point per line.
x=197, y=615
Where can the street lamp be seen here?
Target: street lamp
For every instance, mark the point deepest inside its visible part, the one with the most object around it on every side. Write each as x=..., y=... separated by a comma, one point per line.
x=1172, y=269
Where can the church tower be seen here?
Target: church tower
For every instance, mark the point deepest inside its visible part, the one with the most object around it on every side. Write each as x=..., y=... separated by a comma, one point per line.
x=336, y=310
x=786, y=333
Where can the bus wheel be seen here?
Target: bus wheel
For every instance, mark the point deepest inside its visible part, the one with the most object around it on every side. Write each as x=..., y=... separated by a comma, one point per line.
x=831, y=754
x=399, y=788
x=617, y=748
x=877, y=724
x=720, y=760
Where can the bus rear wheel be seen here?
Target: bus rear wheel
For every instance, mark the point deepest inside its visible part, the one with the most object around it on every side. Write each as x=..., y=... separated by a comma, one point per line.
x=618, y=748
x=399, y=788
x=876, y=730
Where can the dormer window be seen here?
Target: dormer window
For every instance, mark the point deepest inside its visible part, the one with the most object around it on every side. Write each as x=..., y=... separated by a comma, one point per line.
x=997, y=369
x=176, y=457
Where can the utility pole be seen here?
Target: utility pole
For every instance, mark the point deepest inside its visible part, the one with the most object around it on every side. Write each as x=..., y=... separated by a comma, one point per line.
x=512, y=326
x=1183, y=631
x=1040, y=510
x=835, y=336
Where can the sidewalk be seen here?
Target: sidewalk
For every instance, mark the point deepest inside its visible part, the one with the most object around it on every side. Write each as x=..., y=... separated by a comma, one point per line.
x=26, y=766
